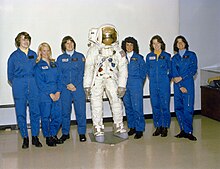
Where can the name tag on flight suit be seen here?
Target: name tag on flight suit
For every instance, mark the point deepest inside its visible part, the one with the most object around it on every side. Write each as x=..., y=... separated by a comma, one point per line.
x=134, y=59
x=65, y=60
x=185, y=57
x=53, y=65
x=74, y=59
x=44, y=67
x=152, y=57
x=162, y=57
x=31, y=57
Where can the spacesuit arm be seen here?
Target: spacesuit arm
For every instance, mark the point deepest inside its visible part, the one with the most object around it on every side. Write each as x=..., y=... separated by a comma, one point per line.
x=122, y=69
x=89, y=68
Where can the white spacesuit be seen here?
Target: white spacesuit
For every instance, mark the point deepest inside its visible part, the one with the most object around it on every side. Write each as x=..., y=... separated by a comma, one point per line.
x=106, y=71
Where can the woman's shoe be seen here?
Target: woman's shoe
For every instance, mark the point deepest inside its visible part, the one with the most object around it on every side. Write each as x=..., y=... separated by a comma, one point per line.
x=164, y=132
x=138, y=135
x=157, y=131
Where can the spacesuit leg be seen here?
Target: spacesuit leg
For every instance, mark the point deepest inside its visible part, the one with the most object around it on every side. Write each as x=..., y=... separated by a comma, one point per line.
x=117, y=109
x=97, y=110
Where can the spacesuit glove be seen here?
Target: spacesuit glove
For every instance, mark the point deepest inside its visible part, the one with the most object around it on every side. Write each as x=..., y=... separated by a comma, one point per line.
x=121, y=91
x=88, y=92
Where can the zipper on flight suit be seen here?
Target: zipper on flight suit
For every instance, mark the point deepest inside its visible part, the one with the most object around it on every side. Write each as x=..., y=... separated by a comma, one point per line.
x=188, y=99
x=70, y=61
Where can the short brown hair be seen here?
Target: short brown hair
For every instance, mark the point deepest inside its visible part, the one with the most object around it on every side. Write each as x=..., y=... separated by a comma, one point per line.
x=18, y=37
x=65, y=39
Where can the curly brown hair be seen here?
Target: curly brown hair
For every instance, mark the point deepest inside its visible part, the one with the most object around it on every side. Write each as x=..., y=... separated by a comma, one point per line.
x=130, y=40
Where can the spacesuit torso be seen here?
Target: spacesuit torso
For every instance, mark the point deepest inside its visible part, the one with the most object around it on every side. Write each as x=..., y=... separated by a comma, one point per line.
x=105, y=63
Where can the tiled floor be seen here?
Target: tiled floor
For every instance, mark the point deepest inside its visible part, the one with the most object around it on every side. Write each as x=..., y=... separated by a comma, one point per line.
x=146, y=153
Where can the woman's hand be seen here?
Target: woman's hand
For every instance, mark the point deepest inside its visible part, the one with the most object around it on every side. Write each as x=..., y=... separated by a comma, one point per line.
x=71, y=87
x=53, y=97
x=183, y=90
x=177, y=79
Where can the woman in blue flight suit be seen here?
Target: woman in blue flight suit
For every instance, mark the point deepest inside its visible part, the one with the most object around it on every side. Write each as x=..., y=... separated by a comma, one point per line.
x=71, y=65
x=21, y=76
x=133, y=98
x=49, y=83
x=159, y=73
x=184, y=67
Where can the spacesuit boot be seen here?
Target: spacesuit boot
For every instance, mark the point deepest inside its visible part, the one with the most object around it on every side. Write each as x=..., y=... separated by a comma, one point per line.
x=98, y=132
x=120, y=131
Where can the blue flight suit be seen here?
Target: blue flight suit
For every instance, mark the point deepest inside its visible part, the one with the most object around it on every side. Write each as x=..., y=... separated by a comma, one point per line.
x=133, y=98
x=159, y=74
x=24, y=89
x=72, y=70
x=49, y=81
x=185, y=67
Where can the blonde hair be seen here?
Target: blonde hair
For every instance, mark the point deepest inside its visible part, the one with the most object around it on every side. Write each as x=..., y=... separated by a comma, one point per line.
x=39, y=55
